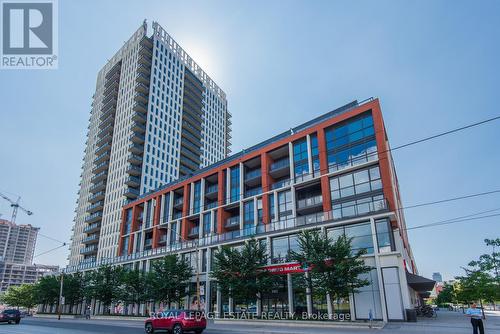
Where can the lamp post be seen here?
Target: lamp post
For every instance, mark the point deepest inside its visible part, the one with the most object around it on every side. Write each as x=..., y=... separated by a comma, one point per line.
x=61, y=298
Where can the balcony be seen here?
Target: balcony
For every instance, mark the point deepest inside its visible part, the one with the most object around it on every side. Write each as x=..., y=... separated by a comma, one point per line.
x=138, y=127
x=144, y=60
x=253, y=177
x=100, y=167
x=212, y=191
x=97, y=206
x=358, y=208
x=93, y=217
x=280, y=168
x=134, y=170
x=109, y=120
x=140, y=97
x=112, y=79
x=103, y=157
x=179, y=202
x=148, y=243
x=143, y=69
x=194, y=232
x=310, y=204
x=110, y=104
x=98, y=187
x=91, y=239
x=99, y=176
x=133, y=181
x=140, y=107
x=139, y=117
x=92, y=228
x=146, y=51
x=136, y=148
x=142, y=78
x=232, y=222
x=141, y=88
x=187, y=153
x=135, y=159
x=113, y=70
x=281, y=184
x=131, y=193
x=89, y=250
x=186, y=143
x=110, y=93
x=97, y=197
x=137, y=138
x=196, y=141
x=103, y=148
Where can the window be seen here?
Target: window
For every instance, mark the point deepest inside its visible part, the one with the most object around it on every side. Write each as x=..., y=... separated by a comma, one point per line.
x=300, y=159
x=206, y=224
x=358, y=207
x=282, y=246
x=197, y=197
x=166, y=207
x=351, y=144
x=271, y=206
x=235, y=183
x=285, y=204
x=315, y=155
x=355, y=183
x=260, y=218
x=361, y=235
x=248, y=212
x=385, y=238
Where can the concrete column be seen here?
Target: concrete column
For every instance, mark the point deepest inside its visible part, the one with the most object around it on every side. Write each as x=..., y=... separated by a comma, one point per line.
x=208, y=294
x=379, y=270
x=231, y=305
x=276, y=211
x=309, y=157
x=309, y=296
x=269, y=250
x=292, y=169
x=291, y=306
x=351, y=307
x=329, y=306
x=218, y=302
x=202, y=194
x=259, y=304
x=171, y=206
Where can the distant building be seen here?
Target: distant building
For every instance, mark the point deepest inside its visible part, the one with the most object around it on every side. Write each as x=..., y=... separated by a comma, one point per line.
x=17, y=274
x=17, y=242
x=437, y=277
x=17, y=247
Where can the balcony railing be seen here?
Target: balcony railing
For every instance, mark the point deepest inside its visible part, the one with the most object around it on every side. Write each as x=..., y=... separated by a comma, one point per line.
x=93, y=217
x=194, y=232
x=253, y=174
x=279, y=164
x=310, y=202
x=89, y=249
x=232, y=222
x=92, y=227
x=292, y=223
x=211, y=189
x=281, y=184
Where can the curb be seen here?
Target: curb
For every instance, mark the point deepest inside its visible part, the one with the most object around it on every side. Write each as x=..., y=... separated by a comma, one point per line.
x=306, y=324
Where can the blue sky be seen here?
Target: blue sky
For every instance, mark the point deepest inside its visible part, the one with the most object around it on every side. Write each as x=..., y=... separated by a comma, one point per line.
x=433, y=64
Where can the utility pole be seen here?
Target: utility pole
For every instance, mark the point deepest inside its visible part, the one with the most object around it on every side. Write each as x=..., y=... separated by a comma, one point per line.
x=61, y=298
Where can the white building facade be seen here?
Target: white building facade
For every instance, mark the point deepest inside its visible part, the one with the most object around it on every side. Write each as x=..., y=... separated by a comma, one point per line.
x=156, y=117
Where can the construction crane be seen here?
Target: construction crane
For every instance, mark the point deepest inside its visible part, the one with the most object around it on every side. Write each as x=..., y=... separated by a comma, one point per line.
x=15, y=206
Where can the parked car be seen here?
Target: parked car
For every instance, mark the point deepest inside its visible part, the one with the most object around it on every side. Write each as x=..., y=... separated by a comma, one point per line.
x=176, y=322
x=10, y=316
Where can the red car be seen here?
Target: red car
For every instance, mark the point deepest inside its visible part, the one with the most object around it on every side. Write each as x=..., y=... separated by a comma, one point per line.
x=176, y=322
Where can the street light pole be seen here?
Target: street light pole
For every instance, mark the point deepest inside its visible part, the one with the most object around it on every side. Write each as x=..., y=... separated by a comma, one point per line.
x=60, y=296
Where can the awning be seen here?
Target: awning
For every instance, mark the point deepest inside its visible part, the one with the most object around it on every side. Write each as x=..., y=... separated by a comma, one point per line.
x=419, y=284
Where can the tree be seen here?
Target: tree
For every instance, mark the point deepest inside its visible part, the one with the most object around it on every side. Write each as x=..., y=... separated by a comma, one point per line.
x=447, y=295
x=73, y=289
x=169, y=279
x=105, y=285
x=47, y=291
x=21, y=296
x=239, y=272
x=136, y=286
x=481, y=281
x=334, y=268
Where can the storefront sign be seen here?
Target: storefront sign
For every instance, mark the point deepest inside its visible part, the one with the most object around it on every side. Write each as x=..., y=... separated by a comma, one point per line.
x=287, y=268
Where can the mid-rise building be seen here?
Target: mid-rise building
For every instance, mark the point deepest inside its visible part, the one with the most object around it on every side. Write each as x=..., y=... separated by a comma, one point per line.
x=156, y=117
x=334, y=174
x=17, y=247
x=14, y=274
x=17, y=242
